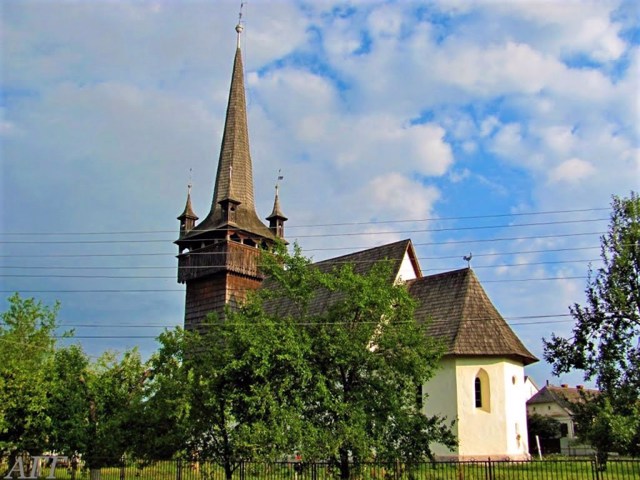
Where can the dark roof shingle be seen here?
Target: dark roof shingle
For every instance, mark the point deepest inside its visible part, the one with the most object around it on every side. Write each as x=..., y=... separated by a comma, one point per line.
x=460, y=311
x=563, y=396
x=464, y=318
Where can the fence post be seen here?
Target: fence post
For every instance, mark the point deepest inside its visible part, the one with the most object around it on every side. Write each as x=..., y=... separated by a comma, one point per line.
x=179, y=469
x=595, y=468
x=122, y=467
x=489, y=469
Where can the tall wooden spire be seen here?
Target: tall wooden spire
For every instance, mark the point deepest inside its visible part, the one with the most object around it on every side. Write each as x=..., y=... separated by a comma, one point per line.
x=233, y=200
x=219, y=258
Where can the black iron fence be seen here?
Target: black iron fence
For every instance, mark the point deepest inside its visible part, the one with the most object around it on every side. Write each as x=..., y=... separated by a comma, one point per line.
x=126, y=469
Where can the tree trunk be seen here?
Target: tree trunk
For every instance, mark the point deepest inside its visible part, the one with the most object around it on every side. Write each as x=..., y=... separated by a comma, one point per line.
x=344, y=465
x=228, y=470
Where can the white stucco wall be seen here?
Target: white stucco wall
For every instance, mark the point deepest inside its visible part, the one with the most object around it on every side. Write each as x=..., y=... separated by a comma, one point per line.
x=407, y=270
x=498, y=430
x=530, y=388
x=441, y=394
x=552, y=409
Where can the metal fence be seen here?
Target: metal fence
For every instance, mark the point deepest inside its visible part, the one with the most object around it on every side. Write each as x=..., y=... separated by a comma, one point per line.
x=570, y=469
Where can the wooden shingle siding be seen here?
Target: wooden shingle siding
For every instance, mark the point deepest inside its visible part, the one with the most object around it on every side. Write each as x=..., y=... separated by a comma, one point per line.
x=211, y=295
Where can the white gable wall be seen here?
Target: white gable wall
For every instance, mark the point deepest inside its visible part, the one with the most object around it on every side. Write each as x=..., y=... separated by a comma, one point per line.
x=499, y=429
x=407, y=270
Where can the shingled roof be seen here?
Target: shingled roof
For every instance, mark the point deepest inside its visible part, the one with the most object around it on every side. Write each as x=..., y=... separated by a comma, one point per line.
x=457, y=306
x=564, y=396
x=464, y=318
x=362, y=262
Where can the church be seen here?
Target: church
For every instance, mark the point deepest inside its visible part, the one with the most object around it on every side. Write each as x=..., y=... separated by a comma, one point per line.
x=481, y=382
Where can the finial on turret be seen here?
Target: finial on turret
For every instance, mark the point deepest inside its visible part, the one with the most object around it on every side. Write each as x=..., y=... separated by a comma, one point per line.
x=280, y=177
x=239, y=26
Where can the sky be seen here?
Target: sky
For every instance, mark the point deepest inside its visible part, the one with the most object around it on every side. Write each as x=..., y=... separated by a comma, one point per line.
x=496, y=128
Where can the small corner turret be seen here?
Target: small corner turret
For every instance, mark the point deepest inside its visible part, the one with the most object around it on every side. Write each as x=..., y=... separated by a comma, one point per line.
x=277, y=218
x=187, y=218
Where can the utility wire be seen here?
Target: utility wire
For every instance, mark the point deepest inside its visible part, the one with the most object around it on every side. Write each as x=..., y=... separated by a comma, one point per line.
x=173, y=254
x=301, y=324
x=343, y=224
x=147, y=325
x=318, y=235
x=98, y=276
x=182, y=290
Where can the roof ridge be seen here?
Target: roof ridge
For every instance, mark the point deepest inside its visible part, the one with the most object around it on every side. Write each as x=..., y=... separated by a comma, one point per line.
x=447, y=273
x=362, y=252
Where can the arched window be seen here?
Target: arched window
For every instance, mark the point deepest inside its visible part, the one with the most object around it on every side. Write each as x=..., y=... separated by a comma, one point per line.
x=478, y=392
x=481, y=391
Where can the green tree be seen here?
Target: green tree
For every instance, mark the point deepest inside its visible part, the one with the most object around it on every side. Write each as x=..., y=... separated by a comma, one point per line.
x=604, y=427
x=27, y=345
x=604, y=342
x=365, y=358
x=92, y=405
x=542, y=426
x=226, y=393
x=279, y=375
x=68, y=404
x=161, y=418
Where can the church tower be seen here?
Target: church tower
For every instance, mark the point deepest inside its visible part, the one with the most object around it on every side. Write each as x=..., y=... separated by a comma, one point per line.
x=219, y=257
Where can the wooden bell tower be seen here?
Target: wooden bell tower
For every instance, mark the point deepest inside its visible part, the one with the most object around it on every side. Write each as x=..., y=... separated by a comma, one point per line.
x=219, y=257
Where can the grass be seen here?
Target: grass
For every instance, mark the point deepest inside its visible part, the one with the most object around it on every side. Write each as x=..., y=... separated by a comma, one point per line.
x=557, y=469
x=534, y=470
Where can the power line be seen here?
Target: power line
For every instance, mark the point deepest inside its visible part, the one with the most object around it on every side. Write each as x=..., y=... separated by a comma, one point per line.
x=147, y=325
x=318, y=235
x=97, y=276
x=342, y=224
x=300, y=324
x=182, y=290
x=173, y=254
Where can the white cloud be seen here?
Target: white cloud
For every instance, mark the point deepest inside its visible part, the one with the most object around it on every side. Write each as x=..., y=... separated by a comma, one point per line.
x=571, y=171
x=109, y=104
x=560, y=28
x=558, y=138
x=507, y=142
x=400, y=197
x=385, y=21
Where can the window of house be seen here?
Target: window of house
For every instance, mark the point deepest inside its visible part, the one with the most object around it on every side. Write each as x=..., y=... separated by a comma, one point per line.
x=481, y=390
x=478, y=392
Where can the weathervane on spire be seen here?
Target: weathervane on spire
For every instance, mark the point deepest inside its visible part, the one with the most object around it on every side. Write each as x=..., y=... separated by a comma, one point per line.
x=280, y=177
x=190, y=184
x=239, y=26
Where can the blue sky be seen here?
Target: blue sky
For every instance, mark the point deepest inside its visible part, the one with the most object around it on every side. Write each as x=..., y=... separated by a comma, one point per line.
x=497, y=128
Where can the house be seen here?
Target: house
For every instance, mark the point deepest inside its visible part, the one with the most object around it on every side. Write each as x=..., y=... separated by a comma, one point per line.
x=481, y=384
x=558, y=403
x=530, y=386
